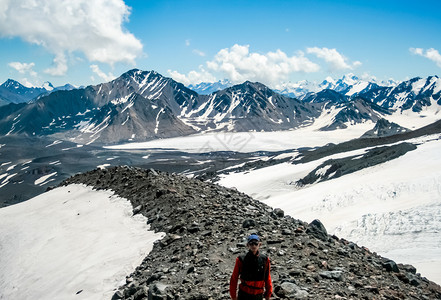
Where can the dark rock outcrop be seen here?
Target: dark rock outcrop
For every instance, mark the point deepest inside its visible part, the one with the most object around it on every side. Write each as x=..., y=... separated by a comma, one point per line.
x=334, y=168
x=204, y=233
x=384, y=128
x=318, y=230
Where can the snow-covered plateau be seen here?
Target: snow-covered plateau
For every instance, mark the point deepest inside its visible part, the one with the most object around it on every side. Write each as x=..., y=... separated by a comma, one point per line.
x=72, y=242
x=393, y=208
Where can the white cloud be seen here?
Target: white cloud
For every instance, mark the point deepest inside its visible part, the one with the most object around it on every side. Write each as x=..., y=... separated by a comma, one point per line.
x=193, y=77
x=187, y=43
x=336, y=61
x=199, y=52
x=25, y=82
x=92, y=27
x=23, y=68
x=59, y=65
x=368, y=77
x=417, y=51
x=239, y=64
x=431, y=54
x=101, y=74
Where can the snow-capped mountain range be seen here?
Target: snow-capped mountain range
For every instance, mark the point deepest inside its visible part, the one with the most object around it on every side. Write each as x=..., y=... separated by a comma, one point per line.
x=144, y=105
x=206, y=88
x=348, y=85
x=12, y=91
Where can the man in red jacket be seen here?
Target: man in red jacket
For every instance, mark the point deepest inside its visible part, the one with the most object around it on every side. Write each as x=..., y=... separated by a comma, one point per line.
x=253, y=269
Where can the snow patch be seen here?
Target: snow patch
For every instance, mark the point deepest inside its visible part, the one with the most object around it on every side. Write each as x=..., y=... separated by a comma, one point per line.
x=157, y=120
x=54, y=143
x=6, y=177
x=67, y=240
x=121, y=100
x=103, y=166
x=357, y=88
x=322, y=171
x=404, y=190
x=418, y=85
x=10, y=168
x=44, y=179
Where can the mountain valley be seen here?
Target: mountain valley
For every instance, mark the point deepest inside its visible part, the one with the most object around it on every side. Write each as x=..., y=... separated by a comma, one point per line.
x=266, y=144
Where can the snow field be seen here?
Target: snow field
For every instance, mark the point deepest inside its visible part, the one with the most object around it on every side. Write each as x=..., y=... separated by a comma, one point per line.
x=392, y=208
x=253, y=141
x=70, y=240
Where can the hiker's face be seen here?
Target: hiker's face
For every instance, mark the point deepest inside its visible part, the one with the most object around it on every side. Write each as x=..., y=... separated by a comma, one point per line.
x=254, y=246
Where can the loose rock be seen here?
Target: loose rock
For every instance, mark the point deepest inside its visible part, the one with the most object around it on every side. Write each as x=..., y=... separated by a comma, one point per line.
x=206, y=226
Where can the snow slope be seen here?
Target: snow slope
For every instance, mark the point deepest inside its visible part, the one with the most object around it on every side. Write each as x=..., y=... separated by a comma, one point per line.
x=253, y=141
x=70, y=243
x=393, y=208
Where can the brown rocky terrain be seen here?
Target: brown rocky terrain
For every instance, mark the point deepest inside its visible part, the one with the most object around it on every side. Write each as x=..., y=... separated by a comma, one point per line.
x=206, y=226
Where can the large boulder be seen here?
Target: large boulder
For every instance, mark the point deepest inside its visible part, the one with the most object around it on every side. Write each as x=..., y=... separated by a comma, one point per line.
x=317, y=230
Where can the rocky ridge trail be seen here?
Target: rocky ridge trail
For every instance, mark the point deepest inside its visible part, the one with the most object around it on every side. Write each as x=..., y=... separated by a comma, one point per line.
x=205, y=228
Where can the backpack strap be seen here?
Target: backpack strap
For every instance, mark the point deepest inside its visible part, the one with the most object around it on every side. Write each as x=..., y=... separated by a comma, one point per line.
x=264, y=259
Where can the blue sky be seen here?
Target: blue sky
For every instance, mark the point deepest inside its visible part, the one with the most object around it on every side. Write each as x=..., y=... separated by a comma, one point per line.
x=90, y=41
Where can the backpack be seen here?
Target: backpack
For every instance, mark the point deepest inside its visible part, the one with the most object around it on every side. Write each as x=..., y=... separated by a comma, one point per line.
x=253, y=268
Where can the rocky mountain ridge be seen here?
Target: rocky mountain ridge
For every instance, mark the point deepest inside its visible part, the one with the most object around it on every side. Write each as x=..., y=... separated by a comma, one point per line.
x=206, y=226
x=414, y=94
x=144, y=105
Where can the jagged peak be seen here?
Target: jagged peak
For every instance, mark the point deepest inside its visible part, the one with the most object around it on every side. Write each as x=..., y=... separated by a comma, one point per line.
x=134, y=73
x=47, y=86
x=414, y=79
x=11, y=82
x=247, y=85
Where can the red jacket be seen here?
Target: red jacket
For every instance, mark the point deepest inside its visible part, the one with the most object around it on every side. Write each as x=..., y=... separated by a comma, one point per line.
x=254, y=273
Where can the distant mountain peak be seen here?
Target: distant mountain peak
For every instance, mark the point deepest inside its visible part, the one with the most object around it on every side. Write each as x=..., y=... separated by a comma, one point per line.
x=137, y=74
x=11, y=83
x=12, y=91
x=48, y=86
x=206, y=88
x=248, y=85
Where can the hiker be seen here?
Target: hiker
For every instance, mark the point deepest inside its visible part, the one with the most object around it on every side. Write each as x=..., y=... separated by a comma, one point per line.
x=253, y=269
